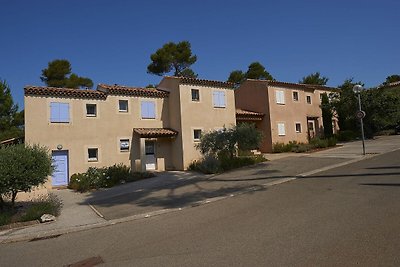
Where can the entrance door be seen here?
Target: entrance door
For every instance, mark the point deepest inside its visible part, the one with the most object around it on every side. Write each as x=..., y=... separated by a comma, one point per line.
x=311, y=129
x=150, y=150
x=60, y=163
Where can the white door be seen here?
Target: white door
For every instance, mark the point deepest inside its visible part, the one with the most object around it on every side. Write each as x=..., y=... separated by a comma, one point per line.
x=311, y=129
x=150, y=157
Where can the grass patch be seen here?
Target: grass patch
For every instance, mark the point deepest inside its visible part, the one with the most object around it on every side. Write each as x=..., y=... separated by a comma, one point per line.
x=296, y=147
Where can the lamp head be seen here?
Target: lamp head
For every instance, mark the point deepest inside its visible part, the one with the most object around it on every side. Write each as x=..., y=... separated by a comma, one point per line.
x=357, y=88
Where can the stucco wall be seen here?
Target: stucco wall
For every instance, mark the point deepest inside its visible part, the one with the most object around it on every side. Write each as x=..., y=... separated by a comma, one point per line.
x=103, y=131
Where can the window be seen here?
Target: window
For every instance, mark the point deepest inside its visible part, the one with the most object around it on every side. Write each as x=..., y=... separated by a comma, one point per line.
x=281, y=129
x=308, y=99
x=93, y=154
x=59, y=112
x=148, y=110
x=195, y=95
x=124, y=144
x=196, y=135
x=123, y=105
x=320, y=97
x=280, y=97
x=295, y=96
x=219, y=99
x=91, y=110
x=298, y=127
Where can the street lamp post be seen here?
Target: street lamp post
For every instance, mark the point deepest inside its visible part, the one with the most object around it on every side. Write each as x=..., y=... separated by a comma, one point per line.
x=360, y=113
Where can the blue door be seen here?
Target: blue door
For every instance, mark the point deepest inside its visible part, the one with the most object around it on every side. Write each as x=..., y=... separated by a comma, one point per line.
x=60, y=163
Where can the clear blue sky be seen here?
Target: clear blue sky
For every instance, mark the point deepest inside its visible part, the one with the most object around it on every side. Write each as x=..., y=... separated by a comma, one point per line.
x=111, y=41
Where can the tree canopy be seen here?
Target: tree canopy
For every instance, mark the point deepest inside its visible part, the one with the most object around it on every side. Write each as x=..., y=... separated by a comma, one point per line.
x=11, y=121
x=255, y=71
x=173, y=57
x=314, y=78
x=391, y=79
x=59, y=74
x=21, y=168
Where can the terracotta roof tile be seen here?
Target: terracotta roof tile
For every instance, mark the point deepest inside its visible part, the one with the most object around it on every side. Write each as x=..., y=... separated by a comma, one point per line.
x=248, y=112
x=155, y=132
x=64, y=92
x=295, y=85
x=247, y=115
x=132, y=91
x=202, y=82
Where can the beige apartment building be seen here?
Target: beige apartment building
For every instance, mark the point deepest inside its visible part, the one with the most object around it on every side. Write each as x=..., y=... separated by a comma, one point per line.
x=283, y=111
x=147, y=129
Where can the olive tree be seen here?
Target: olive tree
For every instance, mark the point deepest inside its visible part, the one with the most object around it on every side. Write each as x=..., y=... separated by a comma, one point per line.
x=225, y=142
x=22, y=168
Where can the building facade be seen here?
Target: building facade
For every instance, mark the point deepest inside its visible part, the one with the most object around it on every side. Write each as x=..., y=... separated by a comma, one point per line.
x=283, y=111
x=145, y=128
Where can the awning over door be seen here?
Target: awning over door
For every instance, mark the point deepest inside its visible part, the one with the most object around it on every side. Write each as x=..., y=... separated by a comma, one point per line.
x=155, y=132
x=247, y=115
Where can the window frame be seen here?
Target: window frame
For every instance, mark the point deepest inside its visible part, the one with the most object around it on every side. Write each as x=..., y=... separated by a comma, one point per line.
x=193, y=90
x=279, y=129
x=124, y=149
x=95, y=110
x=119, y=106
x=308, y=97
x=280, y=97
x=197, y=130
x=295, y=127
x=296, y=99
x=93, y=159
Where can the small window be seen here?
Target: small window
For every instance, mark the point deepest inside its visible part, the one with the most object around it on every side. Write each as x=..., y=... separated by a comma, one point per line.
x=195, y=95
x=123, y=105
x=91, y=110
x=308, y=99
x=281, y=129
x=320, y=97
x=298, y=127
x=124, y=145
x=148, y=110
x=59, y=112
x=295, y=96
x=196, y=135
x=280, y=97
x=219, y=99
x=93, y=154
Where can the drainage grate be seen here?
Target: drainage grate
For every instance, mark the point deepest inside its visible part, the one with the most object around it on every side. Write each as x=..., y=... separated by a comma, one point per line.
x=44, y=238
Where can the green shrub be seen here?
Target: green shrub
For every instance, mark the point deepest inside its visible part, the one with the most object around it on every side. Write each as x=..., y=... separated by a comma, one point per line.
x=5, y=217
x=281, y=147
x=80, y=182
x=135, y=176
x=49, y=204
x=207, y=165
x=116, y=174
x=301, y=148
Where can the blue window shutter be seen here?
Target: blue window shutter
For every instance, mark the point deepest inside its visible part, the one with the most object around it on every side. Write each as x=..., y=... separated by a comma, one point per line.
x=152, y=110
x=54, y=112
x=222, y=99
x=144, y=109
x=64, y=112
x=216, y=98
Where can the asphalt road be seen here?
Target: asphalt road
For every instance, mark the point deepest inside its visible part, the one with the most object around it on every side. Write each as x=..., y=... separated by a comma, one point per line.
x=348, y=216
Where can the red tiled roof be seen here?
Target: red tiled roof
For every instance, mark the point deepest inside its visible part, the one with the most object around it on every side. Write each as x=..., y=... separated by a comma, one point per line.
x=155, y=132
x=390, y=85
x=240, y=111
x=64, y=92
x=295, y=85
x=132, y=91
x=245, y=115
x=202, y=82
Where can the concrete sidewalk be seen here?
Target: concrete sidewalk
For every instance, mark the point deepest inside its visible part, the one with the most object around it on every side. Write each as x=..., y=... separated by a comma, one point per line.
x=172, y=191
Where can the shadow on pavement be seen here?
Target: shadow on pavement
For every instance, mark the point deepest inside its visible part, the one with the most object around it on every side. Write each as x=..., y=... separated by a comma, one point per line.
x=383, y=184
